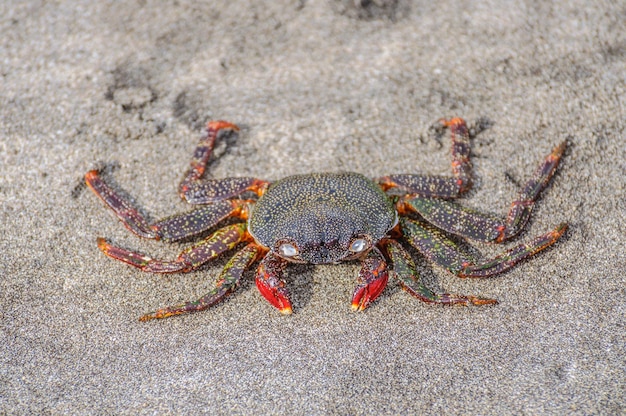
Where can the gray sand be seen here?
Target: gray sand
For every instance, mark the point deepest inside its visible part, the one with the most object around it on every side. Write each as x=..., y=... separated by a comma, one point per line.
x=319, y=85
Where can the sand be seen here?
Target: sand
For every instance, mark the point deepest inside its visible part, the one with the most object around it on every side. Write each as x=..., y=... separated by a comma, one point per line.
x=315, y=86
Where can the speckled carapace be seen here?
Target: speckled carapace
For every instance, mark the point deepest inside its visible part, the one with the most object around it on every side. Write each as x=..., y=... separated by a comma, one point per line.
x=322, y=218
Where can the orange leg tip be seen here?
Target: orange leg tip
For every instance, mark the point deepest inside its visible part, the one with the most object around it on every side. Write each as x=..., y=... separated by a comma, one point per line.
x=220, y=125
x=102, y=244
x=90, y=178
x=482, y=301
x=91, y=174
x=147, y=317
x=559, y=149
x=452, y=122
x=560, y=230
x=160, y=314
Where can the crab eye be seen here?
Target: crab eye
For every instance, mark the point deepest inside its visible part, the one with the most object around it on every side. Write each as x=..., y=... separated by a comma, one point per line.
x=358, y=245
x=287, y=250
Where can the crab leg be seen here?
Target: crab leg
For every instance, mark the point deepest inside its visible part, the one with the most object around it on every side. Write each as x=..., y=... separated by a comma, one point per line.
x=433, y=244
x=227, y=282
x=439, y=186
x=270, y=283
x=521, y=208
x=207, y=191
x=196, y=190
x=469, y=223
x=169, y=229
x=404, y=270
x=189, y=259
x=371, y=281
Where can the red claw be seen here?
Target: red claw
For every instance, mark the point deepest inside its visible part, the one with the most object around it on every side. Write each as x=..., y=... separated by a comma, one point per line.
x=366, y=294
x=270, y=284
x=372, y=280
x=277, y=296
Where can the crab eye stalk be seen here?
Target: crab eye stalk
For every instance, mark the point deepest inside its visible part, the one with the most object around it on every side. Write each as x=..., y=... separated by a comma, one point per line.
x=359, y=245
x=287, y=250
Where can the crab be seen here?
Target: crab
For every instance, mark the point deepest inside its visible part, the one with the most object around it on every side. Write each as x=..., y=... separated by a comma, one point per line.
x=327, y=218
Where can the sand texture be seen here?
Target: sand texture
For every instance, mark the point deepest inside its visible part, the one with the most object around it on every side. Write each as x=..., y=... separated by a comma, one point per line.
x=127, y=87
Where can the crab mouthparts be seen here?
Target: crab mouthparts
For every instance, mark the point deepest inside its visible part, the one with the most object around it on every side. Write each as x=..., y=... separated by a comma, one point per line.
x=324, y=253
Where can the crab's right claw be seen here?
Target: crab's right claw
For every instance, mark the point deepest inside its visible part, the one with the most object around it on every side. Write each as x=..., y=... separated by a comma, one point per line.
x=372, y=280
x=270, y=284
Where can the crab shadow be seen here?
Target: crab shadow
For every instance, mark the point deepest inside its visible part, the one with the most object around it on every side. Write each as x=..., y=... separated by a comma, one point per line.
x=300, y=281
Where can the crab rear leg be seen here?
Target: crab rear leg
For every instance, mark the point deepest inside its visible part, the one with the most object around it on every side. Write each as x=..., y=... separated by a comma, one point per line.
x=371, y=281
x=269, y=281
x=404, y=270
x=171, y=228
x=469, y=223
x=439, y=186
x=435, y=246
x=195, y=190
x=226, y=284
x=523, y=205
x=189, y=259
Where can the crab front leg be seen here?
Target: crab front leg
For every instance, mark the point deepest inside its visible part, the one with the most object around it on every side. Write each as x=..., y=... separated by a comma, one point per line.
x=189, y=259
x=226, y=284
x=172, y=228
x=195, y=190
x=469, y=223
x=371, y=281
x=269, y=281
x=404, y=269
x=435, y=246
x=439, y=186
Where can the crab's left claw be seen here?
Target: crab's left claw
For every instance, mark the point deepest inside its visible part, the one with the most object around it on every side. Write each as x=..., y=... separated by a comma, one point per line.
x=372, y=280
x=271, y=285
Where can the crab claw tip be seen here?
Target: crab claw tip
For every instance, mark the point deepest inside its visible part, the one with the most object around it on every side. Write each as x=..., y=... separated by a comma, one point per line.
x=366, y=293
x=361, y=300
x=286, y=310
x=359, y=307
